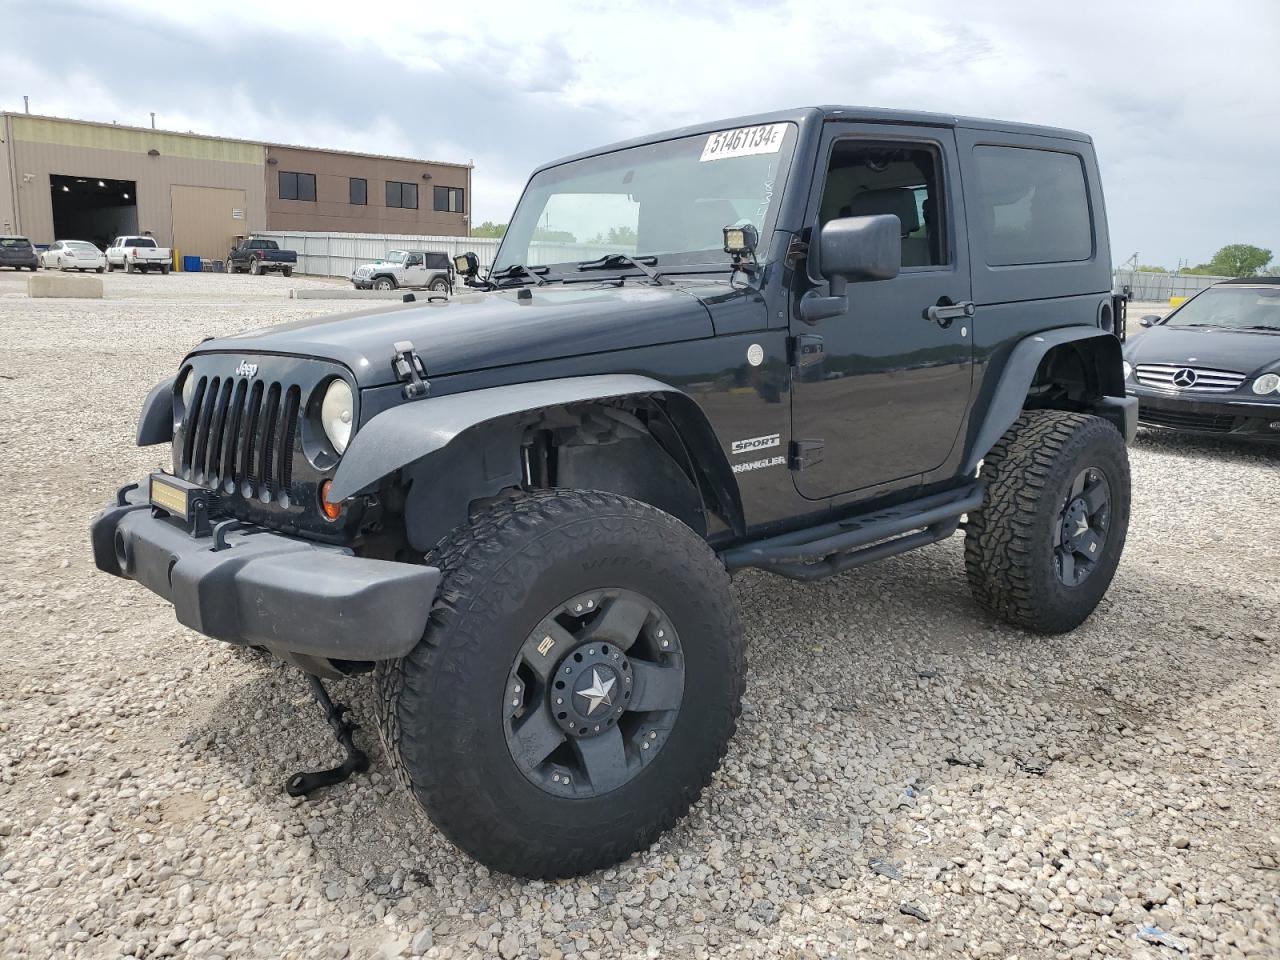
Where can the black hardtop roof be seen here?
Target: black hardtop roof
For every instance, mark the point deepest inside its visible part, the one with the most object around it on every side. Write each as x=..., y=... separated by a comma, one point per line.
x=836, y=112
x=1255, y=280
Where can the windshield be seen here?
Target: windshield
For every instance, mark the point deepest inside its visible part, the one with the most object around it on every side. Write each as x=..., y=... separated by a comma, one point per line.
x=1231, y=306
x=394, y=256
x=669, y=200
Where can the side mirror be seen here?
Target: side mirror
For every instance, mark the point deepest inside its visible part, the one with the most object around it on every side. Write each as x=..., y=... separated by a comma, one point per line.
x=1150, y=320
x=853, y=250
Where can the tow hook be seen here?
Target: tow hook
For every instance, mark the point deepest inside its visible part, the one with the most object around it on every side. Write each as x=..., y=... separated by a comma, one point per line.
x=357, y=761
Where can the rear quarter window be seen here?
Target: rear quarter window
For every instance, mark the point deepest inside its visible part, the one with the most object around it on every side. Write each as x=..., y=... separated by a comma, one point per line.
x=1033, y=206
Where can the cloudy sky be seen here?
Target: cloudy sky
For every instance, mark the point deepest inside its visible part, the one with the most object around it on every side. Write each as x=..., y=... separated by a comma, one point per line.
x=1182, y=99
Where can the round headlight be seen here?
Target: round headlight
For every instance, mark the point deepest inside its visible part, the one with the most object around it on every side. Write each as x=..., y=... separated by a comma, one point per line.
x=1128, y=369
x=1267, y=383
x=188, y=389
x=337, y=414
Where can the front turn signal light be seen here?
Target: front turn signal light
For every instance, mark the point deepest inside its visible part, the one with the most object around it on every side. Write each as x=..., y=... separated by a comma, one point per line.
x=331, y=511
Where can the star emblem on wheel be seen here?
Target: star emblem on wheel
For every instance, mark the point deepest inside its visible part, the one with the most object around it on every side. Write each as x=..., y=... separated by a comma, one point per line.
x=598, y=692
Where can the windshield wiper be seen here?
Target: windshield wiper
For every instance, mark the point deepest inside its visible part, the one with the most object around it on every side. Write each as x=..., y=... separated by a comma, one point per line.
x=1260, y=326
x=611, y=261
x=515, y=272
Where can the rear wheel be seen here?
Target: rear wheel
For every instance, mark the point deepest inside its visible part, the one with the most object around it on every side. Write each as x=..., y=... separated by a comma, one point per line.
x=1042, y=550
x=128, y=266
x=577, y=685
x=287, y=271
x=439, y=285
x=255, y=267
x=164, y=268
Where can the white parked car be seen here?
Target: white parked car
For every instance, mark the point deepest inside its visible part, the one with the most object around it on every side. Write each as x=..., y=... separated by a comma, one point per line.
x=73, y=255
x=138, y=253
x=405, y=268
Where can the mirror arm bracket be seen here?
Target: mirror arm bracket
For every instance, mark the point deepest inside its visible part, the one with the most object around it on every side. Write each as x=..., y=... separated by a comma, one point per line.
x=814, y=307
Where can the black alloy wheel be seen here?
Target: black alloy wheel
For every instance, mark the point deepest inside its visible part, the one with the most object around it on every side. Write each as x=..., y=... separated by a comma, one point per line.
x=1082, y=527
x=586, y=722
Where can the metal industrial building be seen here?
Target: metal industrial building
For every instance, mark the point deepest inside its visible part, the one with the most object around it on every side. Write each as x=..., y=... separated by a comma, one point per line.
x=72, y=179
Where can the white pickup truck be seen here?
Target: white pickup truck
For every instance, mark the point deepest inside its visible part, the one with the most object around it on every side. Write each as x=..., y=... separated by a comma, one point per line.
x=138, y=253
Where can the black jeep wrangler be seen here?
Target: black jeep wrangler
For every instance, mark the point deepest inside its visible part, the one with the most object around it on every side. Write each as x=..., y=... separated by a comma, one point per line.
x=799, y=342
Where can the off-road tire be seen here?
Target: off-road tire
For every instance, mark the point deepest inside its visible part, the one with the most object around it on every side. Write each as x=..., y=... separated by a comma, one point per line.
x=383, y=283
x=441, y=705
x=1009, y=541
x=439, y=285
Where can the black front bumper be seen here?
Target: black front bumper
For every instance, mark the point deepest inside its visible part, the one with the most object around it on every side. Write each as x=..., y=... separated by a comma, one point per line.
x=1220, y=417
x=258, y=588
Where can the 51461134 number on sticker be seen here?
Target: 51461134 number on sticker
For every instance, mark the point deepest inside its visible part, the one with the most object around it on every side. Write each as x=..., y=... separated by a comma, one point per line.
x=743, y=142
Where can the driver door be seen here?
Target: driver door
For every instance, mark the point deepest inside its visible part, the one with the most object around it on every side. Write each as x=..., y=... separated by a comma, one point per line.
x=415, y=271
x=881, y=391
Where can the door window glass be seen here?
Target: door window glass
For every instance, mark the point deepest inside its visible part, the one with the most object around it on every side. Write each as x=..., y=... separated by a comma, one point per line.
x=867, y=178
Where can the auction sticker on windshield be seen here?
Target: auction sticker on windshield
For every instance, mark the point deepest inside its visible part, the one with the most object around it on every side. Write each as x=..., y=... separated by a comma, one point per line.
x=743, y=142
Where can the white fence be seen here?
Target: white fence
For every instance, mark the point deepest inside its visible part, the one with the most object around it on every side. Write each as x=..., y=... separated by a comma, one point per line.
x=338, y=254
x=1161, y=286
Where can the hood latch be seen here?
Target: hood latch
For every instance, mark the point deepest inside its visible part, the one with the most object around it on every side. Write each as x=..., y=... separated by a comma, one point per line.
x=408, y=367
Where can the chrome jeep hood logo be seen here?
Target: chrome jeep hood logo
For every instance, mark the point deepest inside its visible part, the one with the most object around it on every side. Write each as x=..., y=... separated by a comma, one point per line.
x=246, y=369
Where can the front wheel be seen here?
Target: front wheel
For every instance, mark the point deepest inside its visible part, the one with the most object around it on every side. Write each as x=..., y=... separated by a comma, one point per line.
x=577, y=685
x=1043, y=548
x=384, y=283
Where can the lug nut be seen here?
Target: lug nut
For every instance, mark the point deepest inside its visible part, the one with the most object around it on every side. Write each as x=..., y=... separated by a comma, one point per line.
x=559, y=700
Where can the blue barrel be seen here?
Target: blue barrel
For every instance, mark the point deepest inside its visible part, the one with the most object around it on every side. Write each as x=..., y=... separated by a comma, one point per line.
x=191, y=264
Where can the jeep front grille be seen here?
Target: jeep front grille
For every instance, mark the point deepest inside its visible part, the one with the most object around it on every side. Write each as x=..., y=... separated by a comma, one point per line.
x=238, y=436
x=1173, y=376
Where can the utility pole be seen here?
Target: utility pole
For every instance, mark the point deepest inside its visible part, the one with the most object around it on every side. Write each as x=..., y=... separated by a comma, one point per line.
x=26, y=104
x=153, y=119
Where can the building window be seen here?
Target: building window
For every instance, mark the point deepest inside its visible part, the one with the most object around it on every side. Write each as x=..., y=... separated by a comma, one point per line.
x=402, y=195
x=449, y=199
x=297, y=186
x=359, y=191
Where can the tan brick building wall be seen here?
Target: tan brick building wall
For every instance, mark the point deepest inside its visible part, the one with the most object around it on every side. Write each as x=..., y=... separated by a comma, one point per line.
x=332, y=209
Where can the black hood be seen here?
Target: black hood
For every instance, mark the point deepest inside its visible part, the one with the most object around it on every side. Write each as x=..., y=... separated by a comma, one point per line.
x=1250, y=352
x=474, y=331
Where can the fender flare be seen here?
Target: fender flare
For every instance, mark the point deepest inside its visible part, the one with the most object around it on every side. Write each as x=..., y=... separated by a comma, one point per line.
x=155, y=425
x=404, y=435
x=1018, y=374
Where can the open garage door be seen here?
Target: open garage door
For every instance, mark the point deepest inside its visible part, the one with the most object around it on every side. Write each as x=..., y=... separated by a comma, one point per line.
x=92, y=208
x=206, y=220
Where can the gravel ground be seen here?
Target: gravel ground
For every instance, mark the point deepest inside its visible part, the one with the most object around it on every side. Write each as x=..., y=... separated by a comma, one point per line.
x=909, y=777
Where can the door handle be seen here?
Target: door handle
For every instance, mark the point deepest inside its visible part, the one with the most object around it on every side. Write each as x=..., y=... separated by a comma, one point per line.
x=945, y=311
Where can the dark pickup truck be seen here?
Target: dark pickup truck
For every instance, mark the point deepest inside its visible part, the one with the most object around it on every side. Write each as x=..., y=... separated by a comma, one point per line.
x=258, y=256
